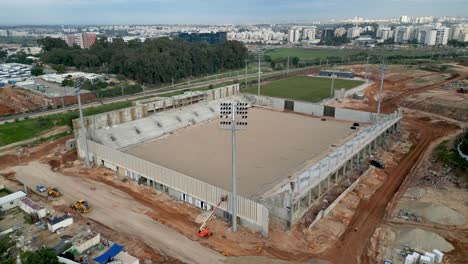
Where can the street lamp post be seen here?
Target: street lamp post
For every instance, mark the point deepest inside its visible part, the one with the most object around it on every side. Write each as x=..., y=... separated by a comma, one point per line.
x=233, y=116
x=77, y=85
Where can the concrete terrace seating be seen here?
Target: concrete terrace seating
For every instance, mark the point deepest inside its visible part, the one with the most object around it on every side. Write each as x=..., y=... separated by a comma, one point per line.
x=158, y=124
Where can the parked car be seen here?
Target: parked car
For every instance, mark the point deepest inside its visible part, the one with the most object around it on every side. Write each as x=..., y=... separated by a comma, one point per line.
x=377, y=164
x=41, y=188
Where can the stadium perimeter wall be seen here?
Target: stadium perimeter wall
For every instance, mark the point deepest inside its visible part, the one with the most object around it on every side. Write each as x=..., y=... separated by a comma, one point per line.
x=290, y=201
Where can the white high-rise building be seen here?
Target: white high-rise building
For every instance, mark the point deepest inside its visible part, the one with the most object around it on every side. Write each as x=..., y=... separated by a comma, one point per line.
x=353, y=32
x=433, y=35
x=403, y=34
x=405, y=19
x=308, y=33
x=297, y=35
x=384, y=33
x=291, y=34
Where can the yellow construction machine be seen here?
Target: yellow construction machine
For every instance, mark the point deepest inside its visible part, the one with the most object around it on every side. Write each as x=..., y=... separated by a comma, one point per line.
x=81, y=206
x=54, y=192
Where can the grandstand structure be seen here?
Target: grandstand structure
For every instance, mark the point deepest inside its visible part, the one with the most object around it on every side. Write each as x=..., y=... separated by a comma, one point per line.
x=292, y=153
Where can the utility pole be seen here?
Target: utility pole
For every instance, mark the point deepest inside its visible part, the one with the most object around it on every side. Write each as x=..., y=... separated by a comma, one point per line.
x=259, y=69
x=332, y=88
x=367, y=65
x=233, y=117
x=246, y=72
x=83, y=127
x=382, y=69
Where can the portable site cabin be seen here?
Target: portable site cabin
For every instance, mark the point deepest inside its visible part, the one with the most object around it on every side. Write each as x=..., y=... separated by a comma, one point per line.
x=11, y=201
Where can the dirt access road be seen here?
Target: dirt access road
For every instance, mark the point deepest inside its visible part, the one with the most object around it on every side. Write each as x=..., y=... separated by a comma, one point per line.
x=111, y=208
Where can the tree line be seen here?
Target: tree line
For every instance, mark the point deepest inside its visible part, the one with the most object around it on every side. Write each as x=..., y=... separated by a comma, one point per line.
x=153, y=61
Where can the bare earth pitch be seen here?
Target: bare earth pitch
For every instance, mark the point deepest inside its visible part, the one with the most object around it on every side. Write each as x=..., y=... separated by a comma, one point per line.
x=274, y=145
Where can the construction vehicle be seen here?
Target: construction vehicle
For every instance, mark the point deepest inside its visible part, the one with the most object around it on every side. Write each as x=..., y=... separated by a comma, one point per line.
x=81, y=206
x=203, y=231
x=54, y=192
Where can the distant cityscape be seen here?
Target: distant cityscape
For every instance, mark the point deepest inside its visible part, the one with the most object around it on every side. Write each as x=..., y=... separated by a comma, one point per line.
x=429, y=31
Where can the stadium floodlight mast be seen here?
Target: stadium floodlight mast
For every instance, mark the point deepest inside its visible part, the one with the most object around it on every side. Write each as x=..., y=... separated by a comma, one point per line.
x=382, y=69
x=233, y=116
x=77, y=85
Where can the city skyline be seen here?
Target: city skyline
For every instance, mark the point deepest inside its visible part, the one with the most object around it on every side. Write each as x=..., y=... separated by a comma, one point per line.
x=23, y=12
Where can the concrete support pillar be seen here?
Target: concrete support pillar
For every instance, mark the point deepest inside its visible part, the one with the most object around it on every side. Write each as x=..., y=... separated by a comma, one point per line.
x=310, y=197
x=328, y=181
x=320, y=189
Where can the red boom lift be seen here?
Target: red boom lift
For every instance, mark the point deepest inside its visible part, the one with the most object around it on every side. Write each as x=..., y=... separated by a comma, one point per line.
x=204, y=231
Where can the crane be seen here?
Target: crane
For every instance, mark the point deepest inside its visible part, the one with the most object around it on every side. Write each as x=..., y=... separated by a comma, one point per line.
x=203, y=231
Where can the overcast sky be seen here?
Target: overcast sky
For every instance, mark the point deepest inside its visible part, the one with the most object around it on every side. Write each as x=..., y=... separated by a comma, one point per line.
x=215, y=11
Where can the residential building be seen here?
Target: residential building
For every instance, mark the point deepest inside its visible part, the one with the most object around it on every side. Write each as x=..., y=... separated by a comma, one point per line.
x=433, y=35
x=384, y=33
x=291, y=33
x=327, y=33
x=353, y=32
x=88, y=40
x=403, y=34
x=308, y=33
x=339, y=32
x=405, y=19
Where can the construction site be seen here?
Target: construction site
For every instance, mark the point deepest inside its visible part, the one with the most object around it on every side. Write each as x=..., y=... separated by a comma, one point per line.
x=330, y=182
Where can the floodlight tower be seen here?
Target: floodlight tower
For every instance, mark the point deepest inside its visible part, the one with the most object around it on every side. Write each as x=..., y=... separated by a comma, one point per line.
x=233, y=116
x=77, y=86
x=382, y=69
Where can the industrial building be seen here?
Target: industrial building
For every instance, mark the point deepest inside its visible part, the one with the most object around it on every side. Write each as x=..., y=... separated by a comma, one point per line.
x=289, y=156
x=204, y=37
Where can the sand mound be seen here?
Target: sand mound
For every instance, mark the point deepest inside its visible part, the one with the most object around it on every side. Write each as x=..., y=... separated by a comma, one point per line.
x=434, y=213
x=421, y=239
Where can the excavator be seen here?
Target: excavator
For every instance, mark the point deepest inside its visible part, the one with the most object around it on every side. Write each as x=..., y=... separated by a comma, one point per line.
x=81, y=206
x=203, y=231
x=54, y=192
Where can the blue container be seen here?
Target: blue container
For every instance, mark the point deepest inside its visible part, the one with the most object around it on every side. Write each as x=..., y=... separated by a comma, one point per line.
x=12, y=82
x=2, y=84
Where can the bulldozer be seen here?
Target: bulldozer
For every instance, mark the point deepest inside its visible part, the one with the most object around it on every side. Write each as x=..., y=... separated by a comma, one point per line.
x=53, y=192
x=81, y=206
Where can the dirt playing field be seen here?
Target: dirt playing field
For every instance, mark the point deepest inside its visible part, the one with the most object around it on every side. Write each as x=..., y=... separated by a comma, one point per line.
x=274, y=145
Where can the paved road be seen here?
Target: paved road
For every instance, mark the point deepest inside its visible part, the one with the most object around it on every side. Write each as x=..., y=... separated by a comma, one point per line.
x=120, y=212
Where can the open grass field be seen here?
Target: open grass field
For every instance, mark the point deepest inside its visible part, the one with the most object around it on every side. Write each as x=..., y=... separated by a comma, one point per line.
x=308, y=54
x=321, y=53
x=304, y=88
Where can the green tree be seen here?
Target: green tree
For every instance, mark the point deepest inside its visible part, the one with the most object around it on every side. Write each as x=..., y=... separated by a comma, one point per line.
x=42, y=256
x=49, y=43
x=3, y=54
x=68, y=82
x=295, y=61
x=59, y=68
x=37, y=70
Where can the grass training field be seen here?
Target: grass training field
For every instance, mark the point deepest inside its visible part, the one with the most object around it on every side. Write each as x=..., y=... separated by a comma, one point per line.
x=304, y=88
x=322, y=53
x=308, y=54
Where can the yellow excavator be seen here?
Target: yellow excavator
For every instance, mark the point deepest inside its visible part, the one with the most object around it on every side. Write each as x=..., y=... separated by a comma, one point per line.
x=53, y=192
x=81, y=206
